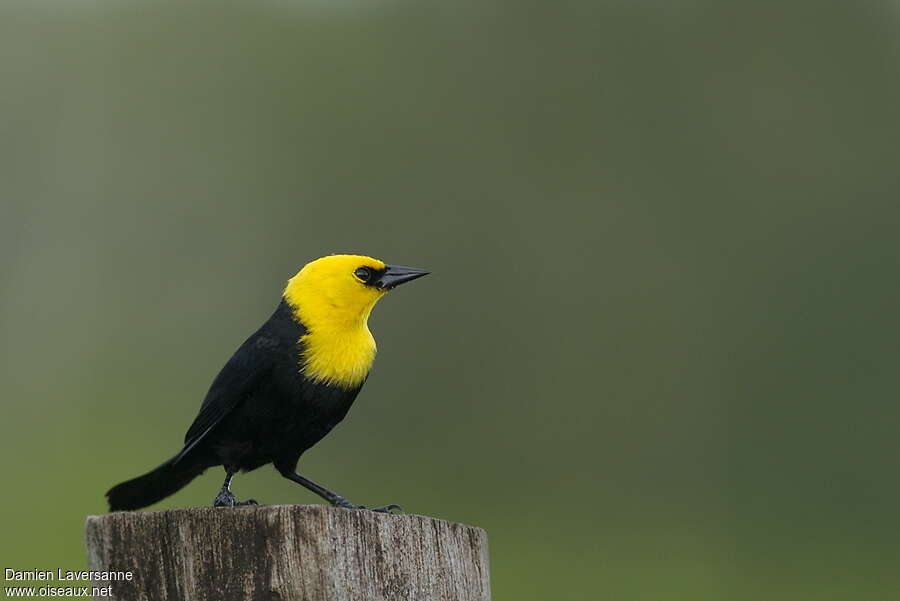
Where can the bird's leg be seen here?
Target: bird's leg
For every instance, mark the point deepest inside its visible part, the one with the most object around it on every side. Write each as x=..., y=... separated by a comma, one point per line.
x=226, y=498
x=334, y=498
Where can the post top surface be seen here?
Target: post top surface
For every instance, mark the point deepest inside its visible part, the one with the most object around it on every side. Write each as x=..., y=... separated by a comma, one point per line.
x=262, y=511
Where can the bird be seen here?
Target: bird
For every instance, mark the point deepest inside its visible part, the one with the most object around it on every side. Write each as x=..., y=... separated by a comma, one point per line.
x=286, y=386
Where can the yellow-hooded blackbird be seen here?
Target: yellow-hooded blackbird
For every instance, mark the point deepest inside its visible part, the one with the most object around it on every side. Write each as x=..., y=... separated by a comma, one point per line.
x=287, y=385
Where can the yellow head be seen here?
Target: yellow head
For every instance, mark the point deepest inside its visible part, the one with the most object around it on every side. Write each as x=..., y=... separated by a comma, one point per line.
x=333, y=298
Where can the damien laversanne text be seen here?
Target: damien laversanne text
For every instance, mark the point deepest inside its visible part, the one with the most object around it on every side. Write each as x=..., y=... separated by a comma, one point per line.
x=61, y=574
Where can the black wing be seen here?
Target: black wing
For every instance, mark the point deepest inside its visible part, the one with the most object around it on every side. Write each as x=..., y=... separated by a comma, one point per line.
x=250, y=365
x=241, y=375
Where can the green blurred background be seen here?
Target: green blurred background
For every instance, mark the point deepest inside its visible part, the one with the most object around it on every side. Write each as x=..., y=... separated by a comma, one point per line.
x=658, y=355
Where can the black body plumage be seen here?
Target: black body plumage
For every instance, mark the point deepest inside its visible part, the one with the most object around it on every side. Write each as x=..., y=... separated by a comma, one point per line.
x=260, y=409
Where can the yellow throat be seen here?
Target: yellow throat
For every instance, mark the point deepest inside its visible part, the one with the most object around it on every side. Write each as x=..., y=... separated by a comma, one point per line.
x=334, y=307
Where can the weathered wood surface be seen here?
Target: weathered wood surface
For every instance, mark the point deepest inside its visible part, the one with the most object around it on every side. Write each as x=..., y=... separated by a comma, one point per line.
x=288, y=553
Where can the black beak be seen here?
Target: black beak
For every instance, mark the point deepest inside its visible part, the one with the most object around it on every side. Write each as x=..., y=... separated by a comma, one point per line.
x=394, y=275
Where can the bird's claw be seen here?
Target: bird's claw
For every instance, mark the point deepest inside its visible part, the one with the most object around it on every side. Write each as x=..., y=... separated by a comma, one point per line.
x=386, y=509
x=342, y=502
x=225, y=498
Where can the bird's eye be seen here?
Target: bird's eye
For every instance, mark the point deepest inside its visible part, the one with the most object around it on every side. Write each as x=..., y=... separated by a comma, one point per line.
x=363, y=273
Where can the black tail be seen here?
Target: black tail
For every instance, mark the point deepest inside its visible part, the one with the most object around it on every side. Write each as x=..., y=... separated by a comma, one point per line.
x=153, y=486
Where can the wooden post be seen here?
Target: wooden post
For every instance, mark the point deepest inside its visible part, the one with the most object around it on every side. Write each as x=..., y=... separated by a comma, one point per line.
x=288, y=553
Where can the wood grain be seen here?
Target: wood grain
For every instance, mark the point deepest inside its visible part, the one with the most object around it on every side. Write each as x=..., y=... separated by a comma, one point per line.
x=288, y=553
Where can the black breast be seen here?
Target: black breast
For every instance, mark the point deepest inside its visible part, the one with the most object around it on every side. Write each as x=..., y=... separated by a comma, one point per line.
x=281, y=413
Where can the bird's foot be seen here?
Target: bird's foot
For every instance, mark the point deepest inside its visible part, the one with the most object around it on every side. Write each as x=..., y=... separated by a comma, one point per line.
x=342, y=502
x=226, y=498
x=386, y=509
